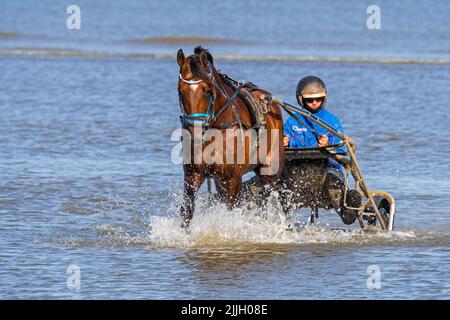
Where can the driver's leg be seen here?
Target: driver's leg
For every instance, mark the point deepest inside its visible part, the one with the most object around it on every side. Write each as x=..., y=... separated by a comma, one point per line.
x=335, y=188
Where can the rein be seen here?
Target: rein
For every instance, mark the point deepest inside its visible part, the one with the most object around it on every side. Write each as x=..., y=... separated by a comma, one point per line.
x=314, y=132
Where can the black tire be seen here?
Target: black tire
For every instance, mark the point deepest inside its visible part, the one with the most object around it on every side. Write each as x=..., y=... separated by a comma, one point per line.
x=384, y=208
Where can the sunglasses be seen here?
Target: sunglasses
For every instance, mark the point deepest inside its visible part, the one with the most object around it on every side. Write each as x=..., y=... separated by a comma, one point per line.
x=309, y=100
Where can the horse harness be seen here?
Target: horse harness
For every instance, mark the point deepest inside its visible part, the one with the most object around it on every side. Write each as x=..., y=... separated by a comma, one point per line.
x=208, y=119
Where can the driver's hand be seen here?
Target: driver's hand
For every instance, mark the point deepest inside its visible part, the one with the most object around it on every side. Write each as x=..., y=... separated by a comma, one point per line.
x=286, y=141
x=323, y=141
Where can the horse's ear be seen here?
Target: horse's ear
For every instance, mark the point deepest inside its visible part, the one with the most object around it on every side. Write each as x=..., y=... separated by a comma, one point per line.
x=204, y=59
x=180, y=57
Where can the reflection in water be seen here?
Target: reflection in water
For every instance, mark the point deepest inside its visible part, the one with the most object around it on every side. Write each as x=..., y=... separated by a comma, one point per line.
x=232, y=259
x=228, y=266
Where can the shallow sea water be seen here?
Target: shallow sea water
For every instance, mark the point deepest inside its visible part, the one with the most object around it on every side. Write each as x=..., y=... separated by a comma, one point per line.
x=86, y=177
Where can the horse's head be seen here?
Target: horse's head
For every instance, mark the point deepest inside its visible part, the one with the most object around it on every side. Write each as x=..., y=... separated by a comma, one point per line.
x=196, y=86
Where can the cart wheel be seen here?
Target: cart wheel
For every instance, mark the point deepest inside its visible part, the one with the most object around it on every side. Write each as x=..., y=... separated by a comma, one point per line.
x=383, y=207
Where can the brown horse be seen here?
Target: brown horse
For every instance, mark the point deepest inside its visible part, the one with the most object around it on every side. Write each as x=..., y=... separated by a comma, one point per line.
x=209, y=102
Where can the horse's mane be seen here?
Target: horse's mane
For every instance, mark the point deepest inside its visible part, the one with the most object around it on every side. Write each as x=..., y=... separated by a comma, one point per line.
x=195, y=65
x=200, y=49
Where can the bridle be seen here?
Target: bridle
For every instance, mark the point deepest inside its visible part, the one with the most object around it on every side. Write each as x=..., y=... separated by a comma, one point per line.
x=209, y=118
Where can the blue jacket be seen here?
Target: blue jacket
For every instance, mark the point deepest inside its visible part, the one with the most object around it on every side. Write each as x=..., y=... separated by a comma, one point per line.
x=301, y=136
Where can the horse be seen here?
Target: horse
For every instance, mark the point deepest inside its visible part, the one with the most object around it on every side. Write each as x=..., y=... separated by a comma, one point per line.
x=211, y=102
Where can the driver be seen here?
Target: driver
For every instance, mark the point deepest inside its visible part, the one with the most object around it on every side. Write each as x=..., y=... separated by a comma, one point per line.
x=311, y=95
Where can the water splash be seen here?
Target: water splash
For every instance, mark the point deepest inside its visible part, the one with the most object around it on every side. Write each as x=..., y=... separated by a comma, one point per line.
x=216, y=226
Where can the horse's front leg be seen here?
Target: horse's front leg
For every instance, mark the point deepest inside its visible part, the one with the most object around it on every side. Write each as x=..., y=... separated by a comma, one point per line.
x=192, y=182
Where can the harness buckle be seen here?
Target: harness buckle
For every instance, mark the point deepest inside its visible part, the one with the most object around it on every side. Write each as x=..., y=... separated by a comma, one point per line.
x=265, y=100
